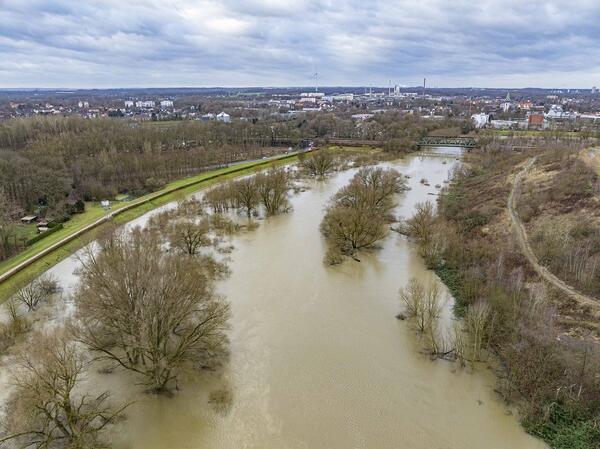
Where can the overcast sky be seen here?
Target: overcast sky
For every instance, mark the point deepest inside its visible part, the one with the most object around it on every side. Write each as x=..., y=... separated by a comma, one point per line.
x=162, y=43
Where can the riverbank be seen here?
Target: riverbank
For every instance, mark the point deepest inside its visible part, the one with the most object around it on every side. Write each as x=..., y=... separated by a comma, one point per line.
x=546, y=342
x=47, y=252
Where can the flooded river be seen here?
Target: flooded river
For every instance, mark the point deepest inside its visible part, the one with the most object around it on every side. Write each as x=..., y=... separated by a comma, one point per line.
x=317, y=358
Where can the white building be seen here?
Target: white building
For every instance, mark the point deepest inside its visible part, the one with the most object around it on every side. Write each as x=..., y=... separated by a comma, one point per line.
x=129, y=104
x=312, y=94
x=223, y=117
x=362, y=117
x=555, y=112
x=166, y=104
x=507, y=103
x=480, y=120
x=145, y=104
x=83, y=104
x=508, y=124
x=339, y=97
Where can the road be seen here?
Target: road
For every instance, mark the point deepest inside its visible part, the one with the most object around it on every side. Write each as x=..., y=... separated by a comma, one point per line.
x=521, y=235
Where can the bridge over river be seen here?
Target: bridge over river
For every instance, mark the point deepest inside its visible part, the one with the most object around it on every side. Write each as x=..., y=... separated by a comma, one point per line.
x=446, y=141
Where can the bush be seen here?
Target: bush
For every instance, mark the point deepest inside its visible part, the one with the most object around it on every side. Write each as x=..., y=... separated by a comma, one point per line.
x=564, y=430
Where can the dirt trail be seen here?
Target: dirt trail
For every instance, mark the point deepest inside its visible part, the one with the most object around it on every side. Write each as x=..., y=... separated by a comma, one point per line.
x=521, y=235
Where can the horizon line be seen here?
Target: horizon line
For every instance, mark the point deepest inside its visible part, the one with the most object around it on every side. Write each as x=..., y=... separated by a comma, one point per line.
x=68, y=89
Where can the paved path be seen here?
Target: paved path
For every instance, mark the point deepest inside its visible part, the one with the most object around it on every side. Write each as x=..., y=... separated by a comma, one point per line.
x=521, y=235
x=243, y=165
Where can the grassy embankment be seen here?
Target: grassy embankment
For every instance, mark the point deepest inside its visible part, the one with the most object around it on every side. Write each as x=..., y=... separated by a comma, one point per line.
x=550, y=363
x=137, y=207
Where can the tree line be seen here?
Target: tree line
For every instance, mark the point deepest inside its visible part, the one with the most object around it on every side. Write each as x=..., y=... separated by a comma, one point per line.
x=268, y=190
x=47, y=161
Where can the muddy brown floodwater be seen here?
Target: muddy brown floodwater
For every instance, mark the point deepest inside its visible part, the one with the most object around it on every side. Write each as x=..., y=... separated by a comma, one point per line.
x=317, y=358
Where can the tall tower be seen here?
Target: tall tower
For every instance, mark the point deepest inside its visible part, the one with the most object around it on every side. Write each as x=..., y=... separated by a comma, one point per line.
x=424, y=83
x=506, y=104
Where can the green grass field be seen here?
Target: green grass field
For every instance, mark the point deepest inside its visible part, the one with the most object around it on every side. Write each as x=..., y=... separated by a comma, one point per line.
x=361, y=149
x=26, y=231
x=94, y=212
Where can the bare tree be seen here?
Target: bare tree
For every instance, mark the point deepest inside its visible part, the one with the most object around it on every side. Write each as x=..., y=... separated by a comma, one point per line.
x=350, y=229
x=246, y=194
x=422, y=304
x=149, y=312
x=45, y=409
x=420, y=225
x=360, y=212
x=273, y=187
x=37, y=291
x=188, y=235
x=384, y=182
x=30, y=295
x=319, y=163
x=15, y=328
x=477, y=323
x=220, y=198
x=371, y=188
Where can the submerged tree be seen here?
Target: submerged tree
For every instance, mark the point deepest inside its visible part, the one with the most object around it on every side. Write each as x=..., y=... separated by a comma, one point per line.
x=273, y=188
x=220, y=198
x=34, y=293
x=14, y=328
x=360, y=213
x=319, y=163
x=269, y=189
x=188, y=236
x=246, y=195
x=422, y=303
x=46, y=410
x=430, y=233
x=350, y=229
x=150, y=312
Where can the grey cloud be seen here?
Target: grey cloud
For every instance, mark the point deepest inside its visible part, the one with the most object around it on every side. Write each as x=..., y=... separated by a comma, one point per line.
x=105, y=43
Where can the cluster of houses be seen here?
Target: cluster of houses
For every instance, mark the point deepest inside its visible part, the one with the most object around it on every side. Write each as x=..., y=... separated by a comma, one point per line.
x=42, y=225
x=532, y=120
x=148, y=104
x=220, y=117
x=537, y=116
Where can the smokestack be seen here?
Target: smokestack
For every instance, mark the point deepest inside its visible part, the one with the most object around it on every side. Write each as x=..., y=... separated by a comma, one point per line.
x=424, y=82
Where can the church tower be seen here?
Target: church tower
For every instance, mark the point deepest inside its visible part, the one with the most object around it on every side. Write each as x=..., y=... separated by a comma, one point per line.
x=506, y=104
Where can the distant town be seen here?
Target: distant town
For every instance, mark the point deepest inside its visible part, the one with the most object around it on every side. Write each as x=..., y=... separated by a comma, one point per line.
x=574, y=109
